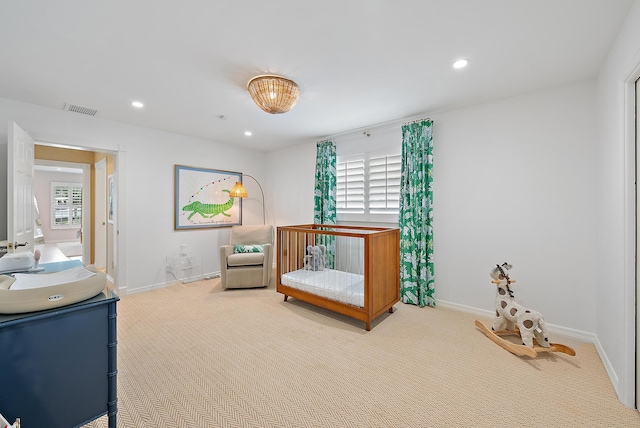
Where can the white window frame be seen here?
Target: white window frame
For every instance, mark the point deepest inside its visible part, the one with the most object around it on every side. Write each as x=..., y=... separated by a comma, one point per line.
x=366, y=214
x=69, y=205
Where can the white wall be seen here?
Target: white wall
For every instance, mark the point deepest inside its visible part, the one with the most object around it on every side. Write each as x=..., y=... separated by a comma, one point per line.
x=513, y=181
x=146, y=200
x=290, y=185
x=615, y=201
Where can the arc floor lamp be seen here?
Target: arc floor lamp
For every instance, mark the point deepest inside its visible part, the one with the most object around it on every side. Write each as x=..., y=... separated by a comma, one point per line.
x=238, y=191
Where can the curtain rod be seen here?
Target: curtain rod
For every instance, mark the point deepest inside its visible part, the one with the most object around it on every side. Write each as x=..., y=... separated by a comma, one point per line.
x=376, y=127
x=416, y=121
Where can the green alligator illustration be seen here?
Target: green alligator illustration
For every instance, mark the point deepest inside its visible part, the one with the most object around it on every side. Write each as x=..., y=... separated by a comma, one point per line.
x=209, y=210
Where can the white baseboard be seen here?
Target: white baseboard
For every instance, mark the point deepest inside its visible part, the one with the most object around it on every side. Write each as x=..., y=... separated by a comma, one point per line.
x=158, y=285
x=464, y=308
x=201, y=277
x=557, y=329
x=613, y=376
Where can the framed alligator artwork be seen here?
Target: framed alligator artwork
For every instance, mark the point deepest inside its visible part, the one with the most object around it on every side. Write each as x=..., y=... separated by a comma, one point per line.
x=202, y=198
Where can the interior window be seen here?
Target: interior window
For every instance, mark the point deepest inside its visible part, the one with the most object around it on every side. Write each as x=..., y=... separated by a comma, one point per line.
x=66, y=203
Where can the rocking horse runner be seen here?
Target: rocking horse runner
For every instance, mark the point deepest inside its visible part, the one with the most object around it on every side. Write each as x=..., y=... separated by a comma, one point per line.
x=513, y=319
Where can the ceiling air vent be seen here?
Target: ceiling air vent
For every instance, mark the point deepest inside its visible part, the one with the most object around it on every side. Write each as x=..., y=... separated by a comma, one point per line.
x=79, y=109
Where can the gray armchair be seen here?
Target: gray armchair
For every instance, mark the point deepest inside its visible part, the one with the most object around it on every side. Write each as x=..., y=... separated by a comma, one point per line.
x=247, y=270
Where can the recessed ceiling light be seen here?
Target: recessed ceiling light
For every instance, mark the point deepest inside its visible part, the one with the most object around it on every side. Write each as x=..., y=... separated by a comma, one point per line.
x=137, y=104
x=461, y=63
x=248, y=133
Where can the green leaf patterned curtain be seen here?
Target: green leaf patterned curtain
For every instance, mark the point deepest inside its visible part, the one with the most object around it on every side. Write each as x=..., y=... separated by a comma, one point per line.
x=324, y=211
x=416, y=215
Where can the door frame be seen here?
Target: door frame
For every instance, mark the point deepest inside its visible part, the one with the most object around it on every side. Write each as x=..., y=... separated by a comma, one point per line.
x=637, y=367
x=87, y=213
x=86, y=199
x=120, y=236
x=100, y=215
x=630, y=373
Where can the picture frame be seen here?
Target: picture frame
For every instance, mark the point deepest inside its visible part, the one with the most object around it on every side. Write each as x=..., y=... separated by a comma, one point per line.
x=202, y=198
x=110, y=196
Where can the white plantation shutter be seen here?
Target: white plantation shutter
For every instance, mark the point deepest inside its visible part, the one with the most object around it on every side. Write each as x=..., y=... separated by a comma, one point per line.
x=76, y=206
x=66, y=203
x=60, y=204
x=384, y=185
x=350, y=191
x=368, y=187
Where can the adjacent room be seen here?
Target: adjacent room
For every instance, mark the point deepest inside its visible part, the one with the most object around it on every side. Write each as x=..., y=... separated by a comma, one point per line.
x=298, y=210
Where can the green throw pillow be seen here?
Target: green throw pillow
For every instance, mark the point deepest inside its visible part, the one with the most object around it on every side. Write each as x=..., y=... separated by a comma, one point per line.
x=253, y=248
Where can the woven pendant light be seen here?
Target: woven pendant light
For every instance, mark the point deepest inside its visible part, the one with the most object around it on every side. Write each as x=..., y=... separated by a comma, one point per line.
x=274, y=94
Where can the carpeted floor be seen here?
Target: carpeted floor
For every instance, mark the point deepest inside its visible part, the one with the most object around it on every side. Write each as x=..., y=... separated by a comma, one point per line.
x=192, y=355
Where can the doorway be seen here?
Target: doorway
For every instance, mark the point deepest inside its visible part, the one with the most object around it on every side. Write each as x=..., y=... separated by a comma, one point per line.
x=97, y=248
x=61, y=193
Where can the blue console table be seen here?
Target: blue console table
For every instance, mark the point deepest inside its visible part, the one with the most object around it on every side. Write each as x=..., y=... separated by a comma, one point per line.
x=59, y=367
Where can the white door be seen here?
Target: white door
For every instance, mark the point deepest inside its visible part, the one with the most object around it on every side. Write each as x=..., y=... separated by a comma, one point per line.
x=100, y=248
x=20, y=162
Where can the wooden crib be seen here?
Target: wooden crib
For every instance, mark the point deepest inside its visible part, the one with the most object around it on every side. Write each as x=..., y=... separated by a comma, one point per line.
x=362, y=282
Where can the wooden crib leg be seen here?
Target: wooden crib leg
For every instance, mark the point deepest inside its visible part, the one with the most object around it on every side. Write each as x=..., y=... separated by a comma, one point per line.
x=285, y=297
x=368, y=325
x=391, y=310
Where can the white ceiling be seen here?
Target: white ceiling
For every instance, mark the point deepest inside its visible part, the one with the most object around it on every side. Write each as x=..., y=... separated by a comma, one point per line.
x=358, y=63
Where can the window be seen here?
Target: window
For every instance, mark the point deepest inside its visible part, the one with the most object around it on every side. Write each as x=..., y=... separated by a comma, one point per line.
x=368, y=187
x=384, y=185
x=66, y=205
x=350, y=191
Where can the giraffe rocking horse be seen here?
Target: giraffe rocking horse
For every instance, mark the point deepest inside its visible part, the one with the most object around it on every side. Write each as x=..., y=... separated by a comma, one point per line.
x=514, y=320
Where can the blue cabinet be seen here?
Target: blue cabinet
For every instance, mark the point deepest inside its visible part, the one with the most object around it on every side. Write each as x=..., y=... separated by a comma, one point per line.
x=58, y=368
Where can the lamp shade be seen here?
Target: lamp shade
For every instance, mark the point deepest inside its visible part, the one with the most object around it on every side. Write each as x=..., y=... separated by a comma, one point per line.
x=238, y=191
x=274, y=94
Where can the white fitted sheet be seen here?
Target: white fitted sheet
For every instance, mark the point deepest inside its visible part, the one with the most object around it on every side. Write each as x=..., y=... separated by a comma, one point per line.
x=333, y=284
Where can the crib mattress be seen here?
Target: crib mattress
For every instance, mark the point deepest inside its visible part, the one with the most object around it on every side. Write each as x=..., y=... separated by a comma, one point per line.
x=50, y=290
x=333, y=284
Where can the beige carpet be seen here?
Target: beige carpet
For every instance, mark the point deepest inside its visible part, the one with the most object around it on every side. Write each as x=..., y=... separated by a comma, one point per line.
x=192, y=355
